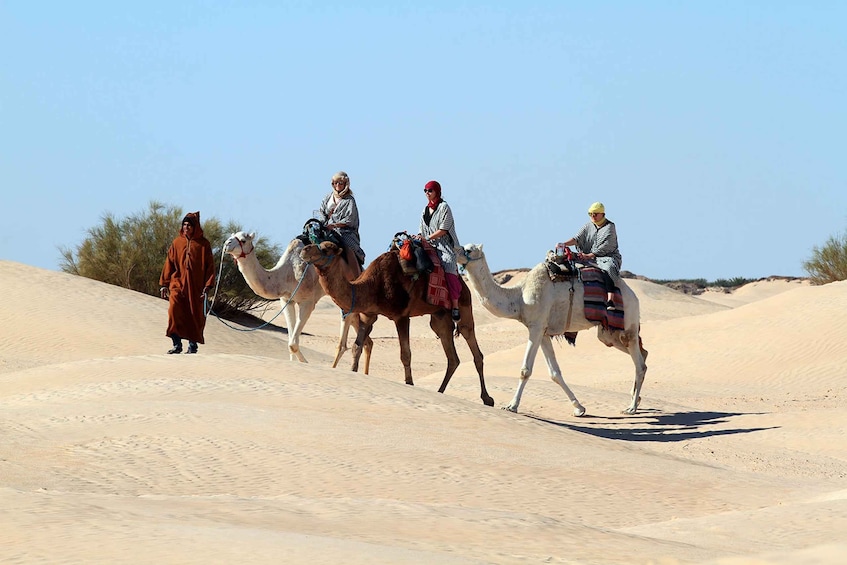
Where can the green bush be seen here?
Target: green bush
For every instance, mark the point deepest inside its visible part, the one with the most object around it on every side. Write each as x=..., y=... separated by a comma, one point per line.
x=828, y=263
x=699, y=283
x=734, y=282
x=130, y=253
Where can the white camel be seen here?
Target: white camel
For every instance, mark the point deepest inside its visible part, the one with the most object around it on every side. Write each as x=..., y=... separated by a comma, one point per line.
x=295, y=283
x=550, y=309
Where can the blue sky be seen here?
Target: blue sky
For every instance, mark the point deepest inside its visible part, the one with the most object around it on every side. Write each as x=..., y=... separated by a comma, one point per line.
x=712, y=131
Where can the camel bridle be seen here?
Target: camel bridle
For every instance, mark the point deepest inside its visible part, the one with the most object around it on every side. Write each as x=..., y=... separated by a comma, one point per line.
x=468, y=257
x=325, y=260
x=243, y=254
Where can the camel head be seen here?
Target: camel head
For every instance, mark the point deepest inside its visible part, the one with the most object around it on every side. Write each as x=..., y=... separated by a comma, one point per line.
x=469, y=252
x=239, y=244
x=320, y=253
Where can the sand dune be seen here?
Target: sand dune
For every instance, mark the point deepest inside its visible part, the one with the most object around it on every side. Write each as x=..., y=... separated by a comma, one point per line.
x=113, y=452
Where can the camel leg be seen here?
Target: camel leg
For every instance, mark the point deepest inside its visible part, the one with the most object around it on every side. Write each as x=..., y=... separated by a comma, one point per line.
x=295, y=326
x=363, y=338
x=556, y=374
x=629, y=342
x=402, y=325
x=288, y=314
x=369, y=345
x=639, y=356
x=516, y=399
x=346, y=322
x=442, y=325
x=467, y=331
x=526, y=370
x=304, y=312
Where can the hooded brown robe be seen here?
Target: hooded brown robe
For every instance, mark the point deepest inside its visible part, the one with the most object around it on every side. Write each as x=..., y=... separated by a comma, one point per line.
x=189, y=269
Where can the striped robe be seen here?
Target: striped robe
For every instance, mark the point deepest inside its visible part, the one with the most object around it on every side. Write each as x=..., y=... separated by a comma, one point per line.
x=442, y=219
x=344, y=212
x=603, y=242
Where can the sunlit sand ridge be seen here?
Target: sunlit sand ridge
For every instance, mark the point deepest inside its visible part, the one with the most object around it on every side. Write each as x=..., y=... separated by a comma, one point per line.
x=113, y=452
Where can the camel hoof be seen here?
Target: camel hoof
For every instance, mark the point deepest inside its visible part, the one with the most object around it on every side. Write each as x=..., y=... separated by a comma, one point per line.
x=511, y=409
x=633, y=408
x=579, y=410
x=488, y=401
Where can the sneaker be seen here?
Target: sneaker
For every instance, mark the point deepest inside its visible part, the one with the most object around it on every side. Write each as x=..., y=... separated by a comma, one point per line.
x=610, y=305
x=192, y=348
x=455, y=314
x=176, y=349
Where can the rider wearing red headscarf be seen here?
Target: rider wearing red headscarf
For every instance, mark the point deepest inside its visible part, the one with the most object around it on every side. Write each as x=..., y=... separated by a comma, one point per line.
x=438, y=228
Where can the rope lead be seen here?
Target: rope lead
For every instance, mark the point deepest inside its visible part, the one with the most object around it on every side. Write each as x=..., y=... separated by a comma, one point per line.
x=217, y=286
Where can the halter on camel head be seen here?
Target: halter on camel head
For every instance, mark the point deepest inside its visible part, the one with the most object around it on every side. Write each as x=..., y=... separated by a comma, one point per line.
x=243, y=253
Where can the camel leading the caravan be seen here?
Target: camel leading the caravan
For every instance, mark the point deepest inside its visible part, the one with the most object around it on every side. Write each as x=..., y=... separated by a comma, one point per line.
x=549, y=309
x=294, y=284
x=383, y=289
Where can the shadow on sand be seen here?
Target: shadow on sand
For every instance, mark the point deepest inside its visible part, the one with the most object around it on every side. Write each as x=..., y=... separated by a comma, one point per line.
x=654, y=425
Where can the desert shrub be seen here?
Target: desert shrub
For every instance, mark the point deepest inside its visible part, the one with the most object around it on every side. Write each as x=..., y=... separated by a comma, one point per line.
x=734, y=282
x=829, y=262
x=703, y=283
x=698, y=283
x=129, y=252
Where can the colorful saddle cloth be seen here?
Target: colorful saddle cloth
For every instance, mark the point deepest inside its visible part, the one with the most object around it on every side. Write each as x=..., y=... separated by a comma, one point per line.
x=595, y=300
x=436, y=292
x=416, y=267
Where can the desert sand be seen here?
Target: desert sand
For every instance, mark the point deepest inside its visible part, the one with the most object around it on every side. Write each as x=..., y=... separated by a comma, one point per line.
x=112, y=451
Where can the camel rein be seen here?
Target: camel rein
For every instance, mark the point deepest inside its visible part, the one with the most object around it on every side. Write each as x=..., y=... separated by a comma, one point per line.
x=208, y=311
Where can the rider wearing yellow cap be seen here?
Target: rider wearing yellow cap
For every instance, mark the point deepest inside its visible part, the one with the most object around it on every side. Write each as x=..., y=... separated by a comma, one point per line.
x=597, y=241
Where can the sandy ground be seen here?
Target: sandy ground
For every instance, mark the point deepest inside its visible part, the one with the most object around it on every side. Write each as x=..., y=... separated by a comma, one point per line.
x=112, y=451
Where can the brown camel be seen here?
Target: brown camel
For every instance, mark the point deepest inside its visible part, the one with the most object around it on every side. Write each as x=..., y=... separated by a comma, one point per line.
x=383, y=289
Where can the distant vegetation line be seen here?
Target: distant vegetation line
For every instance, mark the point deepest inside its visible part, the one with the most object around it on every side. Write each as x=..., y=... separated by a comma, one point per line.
x=688, y=286
x=703, y=283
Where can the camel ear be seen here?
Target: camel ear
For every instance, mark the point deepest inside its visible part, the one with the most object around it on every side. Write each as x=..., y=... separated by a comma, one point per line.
x=251, y=235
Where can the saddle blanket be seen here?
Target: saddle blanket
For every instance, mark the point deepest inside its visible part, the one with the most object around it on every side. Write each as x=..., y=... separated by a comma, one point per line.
x=436, y=292
x=595, y=300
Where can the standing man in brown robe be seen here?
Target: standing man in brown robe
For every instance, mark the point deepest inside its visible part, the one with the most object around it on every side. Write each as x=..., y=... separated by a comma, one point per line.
x=187, y=277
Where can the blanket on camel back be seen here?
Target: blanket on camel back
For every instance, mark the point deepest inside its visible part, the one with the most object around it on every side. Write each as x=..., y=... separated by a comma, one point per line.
x=595, y=300
x=415, y=265
x=436, y=292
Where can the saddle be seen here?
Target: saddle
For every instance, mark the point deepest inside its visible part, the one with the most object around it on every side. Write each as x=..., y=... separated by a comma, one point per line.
x=418, y=258
x=314, y=231
x=414, y=259
x=561, y=267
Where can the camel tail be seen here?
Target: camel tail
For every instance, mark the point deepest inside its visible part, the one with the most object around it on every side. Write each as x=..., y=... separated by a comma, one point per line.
x=570, y=337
